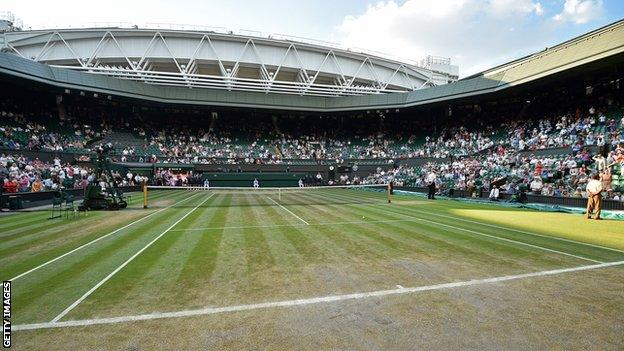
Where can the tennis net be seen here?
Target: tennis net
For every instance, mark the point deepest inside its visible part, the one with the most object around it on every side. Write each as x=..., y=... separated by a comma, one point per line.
x=162, y=196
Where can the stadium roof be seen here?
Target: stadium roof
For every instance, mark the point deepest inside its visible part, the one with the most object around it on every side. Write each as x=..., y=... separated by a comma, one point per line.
x=226, y=61
x=591, y=47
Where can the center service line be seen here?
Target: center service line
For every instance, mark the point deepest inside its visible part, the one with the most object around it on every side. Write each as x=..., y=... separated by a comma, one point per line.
x=287, y=210
x=77, y=302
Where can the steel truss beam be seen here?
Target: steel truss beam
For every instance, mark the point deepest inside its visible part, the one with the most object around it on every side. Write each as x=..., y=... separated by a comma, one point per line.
x=145, y=66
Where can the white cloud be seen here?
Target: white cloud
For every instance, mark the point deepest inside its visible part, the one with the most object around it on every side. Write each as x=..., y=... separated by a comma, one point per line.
x=580, y=11
x=505, y=8
x=476, y=34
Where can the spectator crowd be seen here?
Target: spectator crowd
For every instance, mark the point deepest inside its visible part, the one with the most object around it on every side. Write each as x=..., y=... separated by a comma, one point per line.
x=21, y=174
x=502, y=150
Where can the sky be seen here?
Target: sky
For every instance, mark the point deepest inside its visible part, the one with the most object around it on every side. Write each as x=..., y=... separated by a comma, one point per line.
x=475, y=34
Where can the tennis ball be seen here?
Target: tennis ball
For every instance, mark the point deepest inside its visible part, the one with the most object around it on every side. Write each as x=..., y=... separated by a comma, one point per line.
x=363, y=217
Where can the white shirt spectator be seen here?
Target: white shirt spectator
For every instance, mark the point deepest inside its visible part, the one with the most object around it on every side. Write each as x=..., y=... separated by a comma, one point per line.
x=601, y=162
x=431, y=177
x=536, y=185
x=594, y=186
x=494, y=193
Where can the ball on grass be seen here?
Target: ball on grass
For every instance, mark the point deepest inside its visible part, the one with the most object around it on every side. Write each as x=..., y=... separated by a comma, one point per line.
x=363, y=217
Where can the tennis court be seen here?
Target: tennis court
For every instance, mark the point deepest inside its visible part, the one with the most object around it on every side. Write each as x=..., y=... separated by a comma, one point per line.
x=213, y=268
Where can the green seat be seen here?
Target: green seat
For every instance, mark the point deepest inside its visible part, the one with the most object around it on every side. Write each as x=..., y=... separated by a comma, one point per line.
x=69, y=200
x=57, y=201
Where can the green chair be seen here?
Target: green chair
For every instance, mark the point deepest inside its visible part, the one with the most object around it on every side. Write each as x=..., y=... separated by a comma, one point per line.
x=57, y=206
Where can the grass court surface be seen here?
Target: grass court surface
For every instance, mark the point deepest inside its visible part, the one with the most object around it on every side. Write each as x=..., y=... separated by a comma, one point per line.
x=323, y=269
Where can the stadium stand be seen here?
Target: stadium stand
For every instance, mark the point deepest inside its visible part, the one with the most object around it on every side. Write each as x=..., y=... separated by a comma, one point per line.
x=579, y=132
x=541, y=134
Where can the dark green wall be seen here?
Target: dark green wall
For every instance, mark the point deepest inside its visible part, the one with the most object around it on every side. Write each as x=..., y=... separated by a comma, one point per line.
x=246, y=179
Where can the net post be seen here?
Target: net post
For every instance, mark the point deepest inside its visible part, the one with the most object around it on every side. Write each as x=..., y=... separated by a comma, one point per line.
x=389, y=192
x=279, y=194
x=144, y=194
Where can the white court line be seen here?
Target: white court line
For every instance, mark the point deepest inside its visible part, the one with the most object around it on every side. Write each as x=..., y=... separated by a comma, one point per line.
x=96, y=240
x=521, y=231
x=294, y=225
x=494, y=237
x=309, y=301
x=73, y=305
x=287, y=210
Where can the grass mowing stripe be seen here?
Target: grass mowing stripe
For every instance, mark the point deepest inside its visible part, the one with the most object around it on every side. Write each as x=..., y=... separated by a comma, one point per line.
x=300, y=227
x=293, y=225
x=484, y=251
x=257, y=250
x=334, y=240
x=64, y=281
x=230, y=266
x=19, y=262
x=522, y=231
x=45, y=255
x=296, y=238
x=58, y=285
x=308, y=243
x=314, y=300
x=385, y=240
x=40, y=233
x=354, y=199
x=494, y=236
x=205, y=253
x=155, y=267
x=351, y=245
x=193, y=256
x=48, y=235
x=458, y=244
x=46, y=231
x=445, y=205
x=73, y=305
x=547, y=241
x=288, y=260
x=491, y=236
x=498, y=237
x=23, y=219
x=90, y=243
x=17, y=218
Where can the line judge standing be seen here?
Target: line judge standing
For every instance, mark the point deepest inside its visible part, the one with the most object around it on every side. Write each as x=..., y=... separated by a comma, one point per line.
x=431, y=185
x=594, y=197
